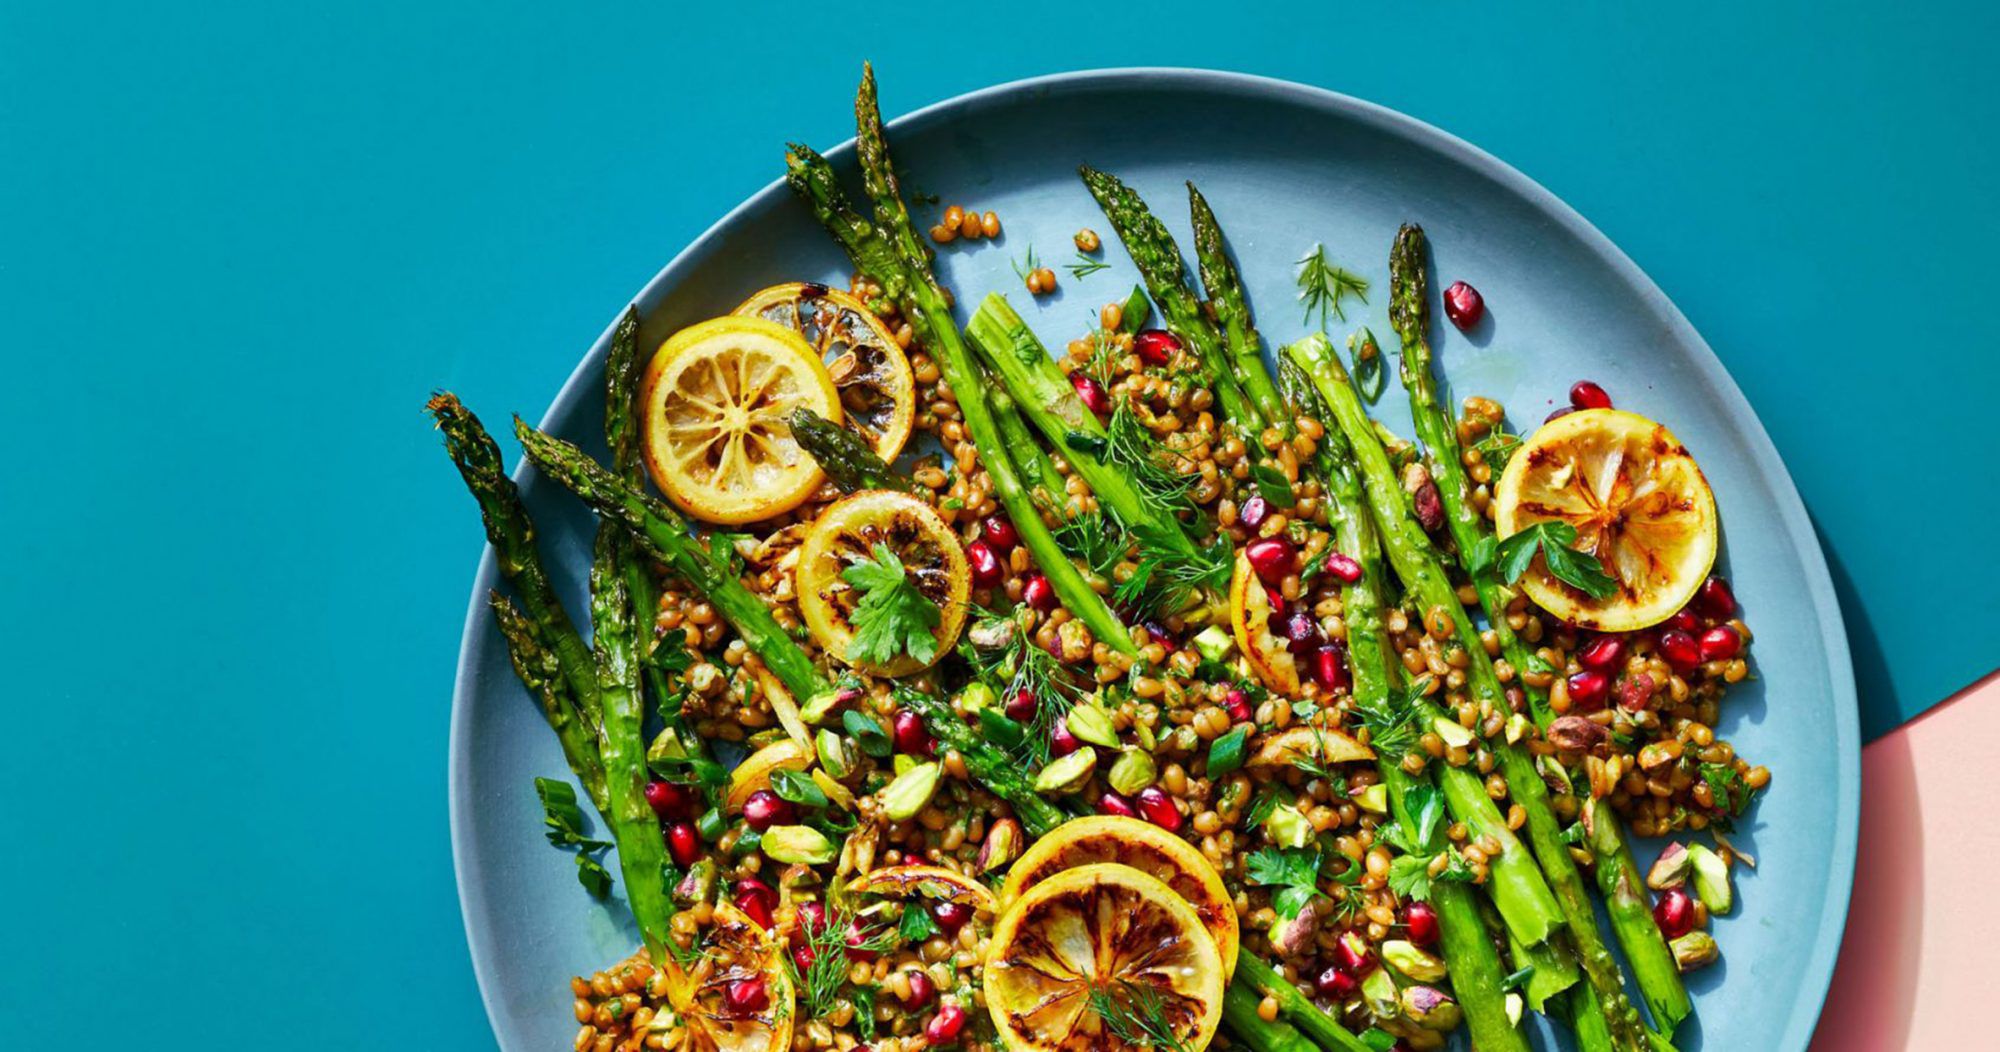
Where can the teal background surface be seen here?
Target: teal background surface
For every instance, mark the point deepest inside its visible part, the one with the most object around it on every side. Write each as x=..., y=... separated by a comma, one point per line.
x=240, y=243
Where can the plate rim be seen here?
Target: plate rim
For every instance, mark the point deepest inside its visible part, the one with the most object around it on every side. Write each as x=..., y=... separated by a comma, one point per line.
x=1795, y=520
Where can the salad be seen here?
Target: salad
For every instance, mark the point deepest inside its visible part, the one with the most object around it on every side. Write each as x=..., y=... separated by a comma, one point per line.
x=937, y=690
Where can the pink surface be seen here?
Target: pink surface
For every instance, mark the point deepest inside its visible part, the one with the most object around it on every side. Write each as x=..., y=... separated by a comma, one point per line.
x=1915, y=967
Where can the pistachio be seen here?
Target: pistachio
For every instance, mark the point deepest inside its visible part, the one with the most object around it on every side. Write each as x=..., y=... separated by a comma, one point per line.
x=1092, y=724
x=1577, y=733
x=1133, y=771
x=797, y=844
x=976, y=696
x=992, y=634
x=1374, y=799
x=1067, y=773
x=1711, y=879
x=1555, y=775
x=1287, y=827
x=1293, y=936
x=908, y=794
x=1411, y=960
x=1696, y=949
x=821, y=705
x=1430, y=1008
x=1454, y=735
x=1380, y=992
x=1670, y=870
x=1002, y=845
x=1517, y=728
x=699, y=883
x=1215, y=643
x=836, y=757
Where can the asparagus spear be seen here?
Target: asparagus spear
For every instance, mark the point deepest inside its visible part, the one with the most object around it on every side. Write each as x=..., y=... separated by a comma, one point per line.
x=1159, y=261
x=889, y=252
x=664, y=533
x=1239, y=1013
x=1045, y=396
x=1232, y=311
x=1409, y=312
x=1417, y=563
x=986, y=762
x=541, y=672
x=843, y=455
x=1262, y=979
x=512, y=535
x=1038, y=472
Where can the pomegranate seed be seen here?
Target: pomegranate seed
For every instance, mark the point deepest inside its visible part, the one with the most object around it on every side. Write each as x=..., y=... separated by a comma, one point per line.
x=1604, y=652
x=1022, y=706
x=812, y=917
x=1061, y=741
x=1422, y=922
x=1716, y=599
x=1720, y=643
x=911, y=737
x=1158, y=633
x=1680, y=649
x=945, y=1026
x=1351, y=950
x=1272, y=558
x=1301, y=631
x=985, y=563
x=1238, y=704
x=1158, y=808
x=1155, y=346
x=857, y=942
x=1586, y=395
x=1113, y=804
x=803, y=956
x=1559, y=413
x=999, y=532
x=1039, y=593
x=746, y=995
x=1252, y=514
x=1429, y=506
x=765, y=809
x=1091, y=392
x=1464, y=305
x=1674, y=913
x=1336, y=983
x=756, y=899
x=1635, y=692
x=1331, y=667
x=683, y=843
x=950, y=916
x=1343, y=569
x=921, y=987
x=1685, y=620
x=1588, y=688
x=669, y=800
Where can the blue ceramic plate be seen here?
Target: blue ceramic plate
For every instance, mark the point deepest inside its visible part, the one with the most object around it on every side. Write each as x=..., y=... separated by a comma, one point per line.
x=1285, y=166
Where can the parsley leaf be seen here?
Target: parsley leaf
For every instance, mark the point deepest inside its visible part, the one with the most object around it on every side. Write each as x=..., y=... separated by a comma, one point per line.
x=893, y=617
x=1293, y=871
x=565, y=829
x=917, y=924
x=1553, y=539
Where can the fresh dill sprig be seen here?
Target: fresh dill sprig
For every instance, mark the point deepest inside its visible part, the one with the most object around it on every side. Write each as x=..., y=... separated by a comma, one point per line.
x=1137, y=1016
x=1027, y=265
x=1155, y=469
x=1021, y=665
x=1392, y=722
x=1094, y=539
x=1322, y=285
x=1165, y=578
x=1085, y=266
x=830, y=965
x=1103, y=354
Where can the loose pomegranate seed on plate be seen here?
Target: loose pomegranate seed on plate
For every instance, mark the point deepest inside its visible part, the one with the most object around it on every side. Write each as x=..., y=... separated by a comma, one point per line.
x=950, y=916
x=747, y=995
x=1023, y=705
x=764, y=809
x=1155, y=346
x=1336, y=983
x=756, y=899
x=857, y=942
x=1587, y=395
x=1114, y=804
x=985, y=564
x=1061, y=741
x=1604, y=652
x=945, y=1026
x=669, y=800
x=683, y=843
x=1330, y=666
x=1680, y=649
x=1422, y=922
x=921, y=987
x=1464, y=305
x=1352, y=952
x=1301, y=631
x=1588, y=687
x=1674, y=913
x=1343, y=569
x=1238, y=704
x=1158, y=808
x=1716, y=599
x=1252, y=514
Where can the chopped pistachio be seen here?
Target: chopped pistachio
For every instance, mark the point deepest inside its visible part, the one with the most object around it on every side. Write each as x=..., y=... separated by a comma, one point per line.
x=797, y=844
x=1380, y=992
x=836, y=756
x=1002, y=845
x=1215, y=643
x=820, y=706
x=1711, y=879
x=976, y=696
x=1133, y=771
x=1375, y=799
x=1092, y=724
x=1670, y=870
x=1411, y=960
x=1696, y=949
x=1430, y=1008
x=1067, y=773
x=1517, y=728
x=1288, y=827
x=1454, y=735
x=907, y=795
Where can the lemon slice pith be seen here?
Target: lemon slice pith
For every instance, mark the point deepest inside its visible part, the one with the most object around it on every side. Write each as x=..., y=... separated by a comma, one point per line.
x=877, y=387
x=1102, y=931
x=1146, y=848
x=1638, y=501
x=715, y=398
x=848, y=531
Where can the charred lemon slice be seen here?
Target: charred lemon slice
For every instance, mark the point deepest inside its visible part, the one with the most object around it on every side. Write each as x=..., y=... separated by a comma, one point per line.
x=737, y=996
x=877, y=390
x=860, y=529
x=1638, y=501
x=715, y=399
x=1102, y=957
x=1144, y=847
x=930, y=882
x=1250, y=619
x=755, y=771
x=1321, y=745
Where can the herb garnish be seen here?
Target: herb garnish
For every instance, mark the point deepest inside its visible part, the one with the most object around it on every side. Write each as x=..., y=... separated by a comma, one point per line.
x=893, y=617
x=565, y=829
x=1497, y=449
x=1293, y=871
x=1085, y=266
x=1392, y=721
x=1137, y=1016
x=1553, y=539
x=1322, y=285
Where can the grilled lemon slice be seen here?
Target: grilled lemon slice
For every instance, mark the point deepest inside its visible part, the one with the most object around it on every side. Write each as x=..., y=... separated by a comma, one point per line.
x=849, y=532
x=877, y=389
x=737, y=996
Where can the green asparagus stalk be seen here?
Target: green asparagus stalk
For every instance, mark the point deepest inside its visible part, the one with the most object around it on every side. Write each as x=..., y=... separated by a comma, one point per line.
x=1232, y=312
x=1159, y=261
x=1239, y=1014
x=890, y=253
x=1417, y=563
x=1623, y=888
x=541, y=672
x=1045, y=396
x=1038, y=472
x=1260, y=979
x=512, y=535
x=642, y=850
x=665, y=535
x=843, y=455
x=1409, y=312
x=986, y=762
